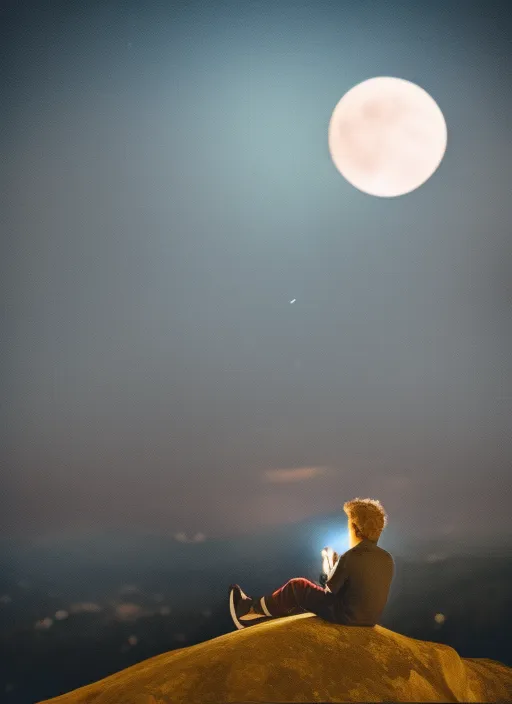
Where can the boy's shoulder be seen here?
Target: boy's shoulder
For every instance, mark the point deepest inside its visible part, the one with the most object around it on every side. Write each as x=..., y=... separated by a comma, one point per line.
x=366, y=547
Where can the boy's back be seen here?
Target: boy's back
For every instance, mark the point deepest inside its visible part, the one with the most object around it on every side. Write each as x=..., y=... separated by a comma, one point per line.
x=360, y=582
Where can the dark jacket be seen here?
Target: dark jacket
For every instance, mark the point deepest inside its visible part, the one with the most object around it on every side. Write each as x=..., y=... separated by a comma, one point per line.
x=360, y=581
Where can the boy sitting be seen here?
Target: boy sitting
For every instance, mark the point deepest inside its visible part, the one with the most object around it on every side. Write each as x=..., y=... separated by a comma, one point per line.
x=355, y=589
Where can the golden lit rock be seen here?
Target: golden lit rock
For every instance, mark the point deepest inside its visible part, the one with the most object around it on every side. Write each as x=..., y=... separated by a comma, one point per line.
x=303, y=659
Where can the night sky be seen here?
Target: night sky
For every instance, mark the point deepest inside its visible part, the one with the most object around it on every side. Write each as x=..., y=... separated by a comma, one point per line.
x=168, y=190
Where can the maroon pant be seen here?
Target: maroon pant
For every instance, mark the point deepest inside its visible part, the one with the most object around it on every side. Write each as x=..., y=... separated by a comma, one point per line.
x=298, y=596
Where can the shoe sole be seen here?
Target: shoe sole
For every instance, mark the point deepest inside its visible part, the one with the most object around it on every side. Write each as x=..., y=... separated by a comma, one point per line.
x=232, y=610
x=237, y=622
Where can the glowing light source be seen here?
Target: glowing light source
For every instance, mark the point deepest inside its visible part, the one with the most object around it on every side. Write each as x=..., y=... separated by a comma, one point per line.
x=337, y=540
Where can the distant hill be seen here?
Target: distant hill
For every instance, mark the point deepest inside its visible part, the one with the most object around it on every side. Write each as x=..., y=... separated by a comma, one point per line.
x=301, y=659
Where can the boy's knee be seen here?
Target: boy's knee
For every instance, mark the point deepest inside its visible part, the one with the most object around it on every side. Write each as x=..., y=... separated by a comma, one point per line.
x=299, y=582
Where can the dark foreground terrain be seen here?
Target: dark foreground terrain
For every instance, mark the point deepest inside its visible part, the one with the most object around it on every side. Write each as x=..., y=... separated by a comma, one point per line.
x=74, y=613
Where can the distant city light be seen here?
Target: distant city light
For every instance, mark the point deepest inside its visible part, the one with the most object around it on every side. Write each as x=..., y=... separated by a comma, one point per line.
x=435, y=557
x=133, y=640
x=61, y=615
x=44, y=624
x=440, y=618
x=128, y=611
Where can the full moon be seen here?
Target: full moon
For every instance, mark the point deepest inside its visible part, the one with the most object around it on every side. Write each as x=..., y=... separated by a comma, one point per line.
x=387, y=136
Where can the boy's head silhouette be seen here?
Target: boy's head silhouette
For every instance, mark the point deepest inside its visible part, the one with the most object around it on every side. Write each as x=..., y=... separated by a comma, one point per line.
x=366, y=519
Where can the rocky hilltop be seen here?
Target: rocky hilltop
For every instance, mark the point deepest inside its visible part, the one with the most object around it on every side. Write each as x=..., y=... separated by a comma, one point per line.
x=303, y=659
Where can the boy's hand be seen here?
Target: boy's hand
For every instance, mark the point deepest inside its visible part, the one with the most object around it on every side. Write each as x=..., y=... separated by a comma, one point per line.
x=329, y=559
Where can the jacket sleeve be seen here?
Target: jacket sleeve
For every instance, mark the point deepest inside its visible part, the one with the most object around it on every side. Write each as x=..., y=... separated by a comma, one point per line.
x=339, y=575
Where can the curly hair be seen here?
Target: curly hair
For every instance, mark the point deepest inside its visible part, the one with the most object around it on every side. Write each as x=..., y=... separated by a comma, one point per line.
x=368, y=516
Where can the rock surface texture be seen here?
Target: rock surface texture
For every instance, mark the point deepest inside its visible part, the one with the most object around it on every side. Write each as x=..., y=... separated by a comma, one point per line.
x=303, y=659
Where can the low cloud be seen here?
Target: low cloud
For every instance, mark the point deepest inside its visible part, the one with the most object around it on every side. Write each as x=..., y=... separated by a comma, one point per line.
x=182, y=538
x=85, y=607
x=293, y=475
